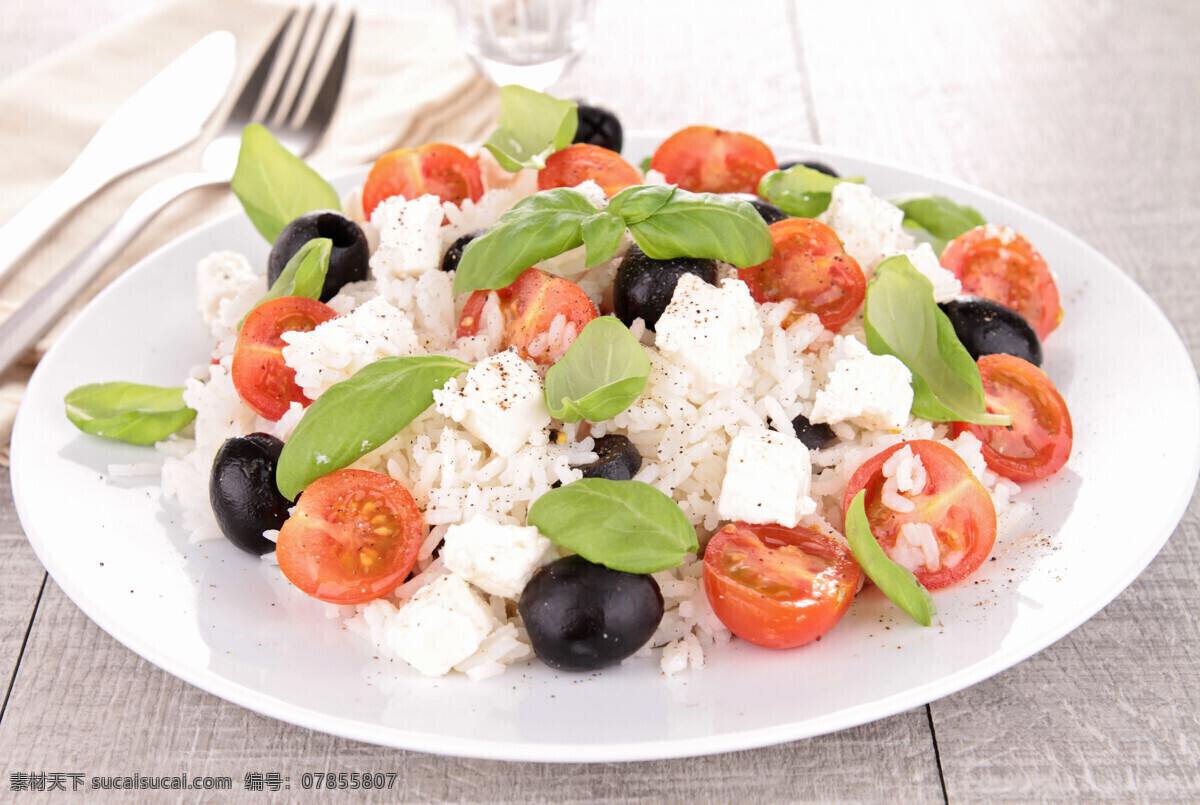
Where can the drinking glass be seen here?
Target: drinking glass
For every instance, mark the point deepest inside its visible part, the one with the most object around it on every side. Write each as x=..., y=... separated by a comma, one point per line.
x=527, y=42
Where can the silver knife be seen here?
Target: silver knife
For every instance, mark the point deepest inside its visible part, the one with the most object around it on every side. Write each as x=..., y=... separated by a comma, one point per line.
x=161, y=117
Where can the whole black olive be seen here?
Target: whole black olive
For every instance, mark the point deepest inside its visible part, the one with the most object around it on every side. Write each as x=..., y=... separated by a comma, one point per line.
x=243, y=493
x=643, y=286
x=582, y=616
x=453, y=255
x=348, y=260
x=600, y=127
x=815, y=435
x=819, y=167
x=985, y=327
x=616, y=459
x=769, y=212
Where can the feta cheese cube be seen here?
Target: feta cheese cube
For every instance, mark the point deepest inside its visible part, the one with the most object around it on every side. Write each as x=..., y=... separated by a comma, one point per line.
x=500, y=401
x=440, y=626
x=710, y=331
x=767, y=478
x=870, y=227
x=872, y=391
x=946, y=286
x=498, y=559
x=410, y=237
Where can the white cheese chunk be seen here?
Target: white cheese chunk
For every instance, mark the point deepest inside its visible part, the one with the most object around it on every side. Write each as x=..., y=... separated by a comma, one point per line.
x=440, y=626
x=410, y=237
x=767, y=478
x=872, y=391
x=498, y=559
x=946, y=286
x=870, y=227
x=500, y=401
x=710, y=331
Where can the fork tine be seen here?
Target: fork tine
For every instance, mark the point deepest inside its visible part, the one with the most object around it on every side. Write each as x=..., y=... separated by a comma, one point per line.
x=243, y=108
x=281, y=89
x=302, y=87
x=321, y=112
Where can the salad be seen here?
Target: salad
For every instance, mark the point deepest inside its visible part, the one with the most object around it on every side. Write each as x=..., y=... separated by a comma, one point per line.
x=538, y=400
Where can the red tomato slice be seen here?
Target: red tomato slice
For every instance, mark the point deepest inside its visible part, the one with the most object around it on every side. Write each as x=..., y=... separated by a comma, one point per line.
x=953, y=503
x=1038, y=443
x=353, y=537
x=778, y=587
x=580, y=162
x=262, y=379
x=808, y=264
x=998, y=264
x=437, y=168
x=708, y=160
x=529, y=306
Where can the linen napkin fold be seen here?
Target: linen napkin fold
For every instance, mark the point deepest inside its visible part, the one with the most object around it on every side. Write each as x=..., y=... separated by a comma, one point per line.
x=408, y=83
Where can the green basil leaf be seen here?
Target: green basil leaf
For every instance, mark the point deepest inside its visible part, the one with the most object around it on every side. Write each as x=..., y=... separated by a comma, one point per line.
x=688, y=224
x=901, y=319
x=644, y=165
x=128, y=412
x=942, y=218
x=602, y=236
x=357, y=415
x=625, y=525
x=800, y=191
x=532, y=126
x=304, y=274
x=601, y=374
x=539, y=227
x=275, y=186
x=893, y=579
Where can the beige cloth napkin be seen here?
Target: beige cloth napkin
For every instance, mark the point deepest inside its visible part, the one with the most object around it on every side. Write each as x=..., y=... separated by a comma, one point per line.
x=408, y=84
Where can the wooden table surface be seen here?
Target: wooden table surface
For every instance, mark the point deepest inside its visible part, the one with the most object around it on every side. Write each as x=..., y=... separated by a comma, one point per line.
x=1087, y=112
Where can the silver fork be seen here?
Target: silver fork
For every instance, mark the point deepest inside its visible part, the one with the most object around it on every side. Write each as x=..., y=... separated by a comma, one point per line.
x=299, y=135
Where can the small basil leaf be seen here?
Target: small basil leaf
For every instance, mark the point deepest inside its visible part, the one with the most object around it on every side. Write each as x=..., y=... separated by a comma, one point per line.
x=644, y=165
x=602, y=236
x=702, y=225
x=601, y=374
x=893, y=579
x=541, y=226
x=304, y=274
x=636, y=204
x=800, y=191
x=532, y=126
x=357, y=415
x=128, y=412
x=942, y=218
x=624, y=525
x=901, y=319
x=275, y=186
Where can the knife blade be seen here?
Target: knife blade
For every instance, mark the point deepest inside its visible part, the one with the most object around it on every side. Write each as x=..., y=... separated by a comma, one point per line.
x=167, y=113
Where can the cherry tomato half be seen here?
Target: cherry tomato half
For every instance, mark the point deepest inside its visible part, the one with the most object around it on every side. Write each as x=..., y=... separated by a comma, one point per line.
x=708, y=160
x=953, y=503
x=580, y=162
x=437, y=168
x=778, y=587
x=808, y=264
x=529, y=307
x=353, y=537
x=1038, y=443
x=262, y=379
x=998, y=264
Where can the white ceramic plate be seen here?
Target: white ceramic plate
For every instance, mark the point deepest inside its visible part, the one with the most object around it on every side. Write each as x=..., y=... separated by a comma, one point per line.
x=209, y=615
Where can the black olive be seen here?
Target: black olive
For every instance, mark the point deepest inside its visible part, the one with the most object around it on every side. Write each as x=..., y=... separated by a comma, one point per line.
x=643, y=286
x=819, y=167
x=815, y=435
x=985, y=327
x=616, y=459
x=453, y=255
x=599, y=127
x=769, y=212
x=243, y=494
x=582, y=616
x=348, y=260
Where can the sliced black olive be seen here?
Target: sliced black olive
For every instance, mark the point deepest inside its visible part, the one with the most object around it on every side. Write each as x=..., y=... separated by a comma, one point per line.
x=644, y=286
x=581, y=616
x=453, y=255
x=769, y=212
x=348, y=260
x=820, y=167
x=600, y=127
x=985, y=327
x=815, y=435
x=616, y=459
x=243, y=494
